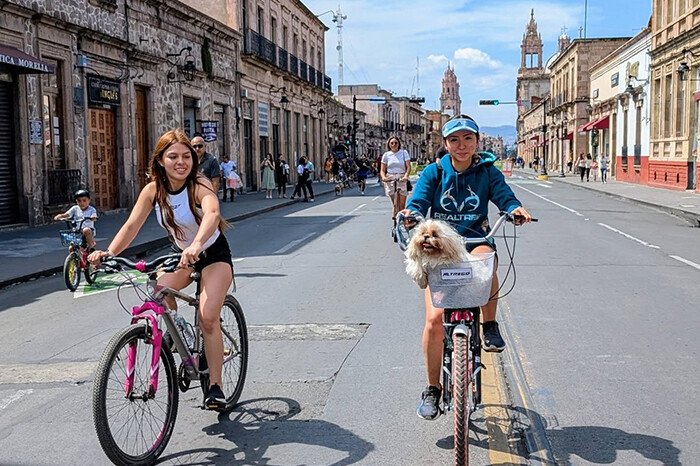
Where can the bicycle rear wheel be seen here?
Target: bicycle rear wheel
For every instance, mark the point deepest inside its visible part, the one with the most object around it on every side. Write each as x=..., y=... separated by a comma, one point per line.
x=461, y=396
x=235, y=366
x=71, y=271
x=134, y=429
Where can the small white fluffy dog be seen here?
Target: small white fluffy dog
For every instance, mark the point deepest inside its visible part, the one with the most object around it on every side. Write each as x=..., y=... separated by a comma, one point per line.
x=433, y=243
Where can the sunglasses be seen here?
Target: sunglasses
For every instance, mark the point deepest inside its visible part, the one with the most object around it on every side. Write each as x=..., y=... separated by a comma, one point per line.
x=198, y=146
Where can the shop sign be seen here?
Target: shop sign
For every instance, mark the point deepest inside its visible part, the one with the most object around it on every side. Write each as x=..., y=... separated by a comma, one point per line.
x=35, y=131
x=209, y=130
x=17, y=58
x=103, y=91
x=262, y=119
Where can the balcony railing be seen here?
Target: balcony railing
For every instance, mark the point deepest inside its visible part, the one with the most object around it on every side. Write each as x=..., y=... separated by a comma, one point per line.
x=293, y=64
x=258, y=46
x=282, y=59
x=62, y=184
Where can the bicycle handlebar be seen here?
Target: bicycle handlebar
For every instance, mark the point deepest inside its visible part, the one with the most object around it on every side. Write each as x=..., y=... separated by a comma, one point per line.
x=167, y=263
x=403, y=231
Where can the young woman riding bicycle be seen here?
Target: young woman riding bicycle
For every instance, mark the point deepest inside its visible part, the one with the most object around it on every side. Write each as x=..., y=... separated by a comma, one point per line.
x=188, y=208
x=458, y=191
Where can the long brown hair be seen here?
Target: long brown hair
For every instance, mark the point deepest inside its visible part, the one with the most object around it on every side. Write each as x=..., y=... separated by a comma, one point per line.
x=157, y=172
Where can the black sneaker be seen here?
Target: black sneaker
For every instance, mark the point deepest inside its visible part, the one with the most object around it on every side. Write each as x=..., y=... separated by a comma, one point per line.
x=429, y=407
x=215, y=398
x=492, y=341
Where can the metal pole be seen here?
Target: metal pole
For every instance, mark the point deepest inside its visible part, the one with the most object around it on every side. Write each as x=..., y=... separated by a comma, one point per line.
x=354, y=127
x=544, y=136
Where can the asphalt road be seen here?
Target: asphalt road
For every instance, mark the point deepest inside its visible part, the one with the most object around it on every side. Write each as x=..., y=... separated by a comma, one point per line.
x=600, y=370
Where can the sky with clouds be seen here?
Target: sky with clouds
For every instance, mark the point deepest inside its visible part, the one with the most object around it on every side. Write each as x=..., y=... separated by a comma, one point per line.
x=383, y=40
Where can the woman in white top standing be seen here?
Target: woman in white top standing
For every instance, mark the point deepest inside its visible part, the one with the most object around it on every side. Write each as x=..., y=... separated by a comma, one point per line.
x=188, y=208
x=395, y=168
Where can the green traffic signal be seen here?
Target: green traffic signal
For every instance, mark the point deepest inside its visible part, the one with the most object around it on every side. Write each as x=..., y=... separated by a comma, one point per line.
x=488, y=102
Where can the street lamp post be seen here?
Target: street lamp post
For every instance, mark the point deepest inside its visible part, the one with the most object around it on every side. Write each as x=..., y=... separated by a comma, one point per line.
x=543, y=173
x=564, y=134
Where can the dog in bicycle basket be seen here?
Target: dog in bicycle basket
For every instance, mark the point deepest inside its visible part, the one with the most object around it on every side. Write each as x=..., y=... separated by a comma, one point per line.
x=433, y=243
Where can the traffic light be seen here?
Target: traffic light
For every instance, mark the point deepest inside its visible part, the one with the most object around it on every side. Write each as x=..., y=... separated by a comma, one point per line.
x=348, y=128
x=348, y=141
x=488, y=102
x=357, y=122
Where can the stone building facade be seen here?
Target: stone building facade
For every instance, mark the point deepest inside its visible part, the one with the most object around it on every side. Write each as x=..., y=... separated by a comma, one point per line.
x=675, y=94
x=123, y=73
x=284, y=88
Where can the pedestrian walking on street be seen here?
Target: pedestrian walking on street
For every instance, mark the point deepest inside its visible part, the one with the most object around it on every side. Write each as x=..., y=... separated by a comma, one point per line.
x=395, y=168
x=570, y=163
x=604, y=162
x=268, y=176
x=594, y=169
x=302, y=174
x=188, y=208
x=208, y=165
x=363, y=169
x=228, y=168
x=281, y=176
x=589, y=162
x=328, y=168
x=440, y=153
x=581, y=165
x=310, y=170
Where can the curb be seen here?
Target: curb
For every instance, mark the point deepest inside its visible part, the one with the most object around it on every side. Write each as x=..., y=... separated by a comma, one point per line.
x=691, y=217
x=142, y=248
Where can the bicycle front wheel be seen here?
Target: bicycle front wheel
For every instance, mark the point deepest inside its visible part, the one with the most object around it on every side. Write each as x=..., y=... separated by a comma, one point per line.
x=461, y=396
x=90, y=274
x=134, y=428
x=235, y=332
x=71, y=271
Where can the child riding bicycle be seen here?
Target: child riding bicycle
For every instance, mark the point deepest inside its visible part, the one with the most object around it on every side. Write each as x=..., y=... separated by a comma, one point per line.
x=82, y=210
x=457, y=190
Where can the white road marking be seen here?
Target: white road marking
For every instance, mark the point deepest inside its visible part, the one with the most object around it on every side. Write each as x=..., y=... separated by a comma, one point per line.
x=376, y=197
x=291, y=244
x=544, y=185
x=550, y=201
x=237, y=260
x=644, y=243
x=337, y=219
x=4, y=403
x=686, y=261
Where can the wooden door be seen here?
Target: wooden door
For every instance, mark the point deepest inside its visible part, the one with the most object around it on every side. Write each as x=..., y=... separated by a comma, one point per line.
x=103, y=159
x=142, y=151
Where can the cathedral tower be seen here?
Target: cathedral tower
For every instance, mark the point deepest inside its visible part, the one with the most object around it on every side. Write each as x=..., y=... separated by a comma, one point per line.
x=533, y=80
x=450, y=103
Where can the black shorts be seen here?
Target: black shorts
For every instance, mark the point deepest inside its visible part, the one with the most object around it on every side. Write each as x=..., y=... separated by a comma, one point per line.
x=471, y=246
x=219, y=251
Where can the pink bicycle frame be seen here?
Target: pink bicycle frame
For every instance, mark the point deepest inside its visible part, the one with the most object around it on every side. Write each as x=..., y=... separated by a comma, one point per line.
x=149, y=310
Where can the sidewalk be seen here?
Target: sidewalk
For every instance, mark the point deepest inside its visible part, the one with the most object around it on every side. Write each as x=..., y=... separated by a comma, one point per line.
x=36, y=252
x=684, y=204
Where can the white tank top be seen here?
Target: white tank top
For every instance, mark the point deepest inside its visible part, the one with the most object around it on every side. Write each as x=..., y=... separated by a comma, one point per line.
x=184, y=218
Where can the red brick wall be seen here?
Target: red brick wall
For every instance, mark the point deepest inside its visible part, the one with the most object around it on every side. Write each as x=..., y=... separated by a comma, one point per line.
x=630, y=174
x=669, y=175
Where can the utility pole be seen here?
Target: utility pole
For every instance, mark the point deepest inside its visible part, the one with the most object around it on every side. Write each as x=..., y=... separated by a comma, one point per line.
x=543, y=173
x=338, y=18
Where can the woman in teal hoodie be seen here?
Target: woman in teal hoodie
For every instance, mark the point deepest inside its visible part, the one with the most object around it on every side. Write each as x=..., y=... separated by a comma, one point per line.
x=458, y=191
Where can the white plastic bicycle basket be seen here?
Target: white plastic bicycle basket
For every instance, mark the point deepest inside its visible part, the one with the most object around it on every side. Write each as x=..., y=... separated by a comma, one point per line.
x=462, y=285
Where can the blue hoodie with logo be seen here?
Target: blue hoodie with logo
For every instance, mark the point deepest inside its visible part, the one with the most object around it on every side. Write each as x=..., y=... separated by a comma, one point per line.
x=461, y=198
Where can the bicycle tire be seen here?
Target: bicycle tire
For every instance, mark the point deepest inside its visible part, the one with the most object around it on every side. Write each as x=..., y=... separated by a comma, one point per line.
x=71, y=271
x=90, y=274
x=146, y=444
x=233, y=372
x=461, y=397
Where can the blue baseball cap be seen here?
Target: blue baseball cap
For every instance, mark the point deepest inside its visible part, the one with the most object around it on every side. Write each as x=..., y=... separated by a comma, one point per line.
x=459, y=124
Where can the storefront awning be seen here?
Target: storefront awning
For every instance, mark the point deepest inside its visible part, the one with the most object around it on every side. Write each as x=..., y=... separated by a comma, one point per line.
x=586, y=127
x=568, y=137
x=601, y=123
x=535, y=137
x=22, y=63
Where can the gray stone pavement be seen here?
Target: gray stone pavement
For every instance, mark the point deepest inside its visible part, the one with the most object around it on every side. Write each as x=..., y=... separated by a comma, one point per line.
x=685, y=204
x=29, y=253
